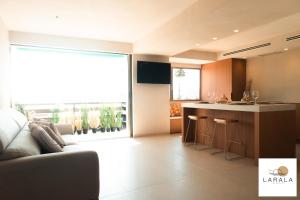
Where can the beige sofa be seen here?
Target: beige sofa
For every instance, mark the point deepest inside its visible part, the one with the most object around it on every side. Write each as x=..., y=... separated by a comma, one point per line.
x=26, y=173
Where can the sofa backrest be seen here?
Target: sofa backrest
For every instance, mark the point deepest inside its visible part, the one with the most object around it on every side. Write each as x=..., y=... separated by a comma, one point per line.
x=11, y=123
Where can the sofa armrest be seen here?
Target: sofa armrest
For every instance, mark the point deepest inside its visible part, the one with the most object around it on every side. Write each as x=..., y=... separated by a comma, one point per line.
x=56, y=176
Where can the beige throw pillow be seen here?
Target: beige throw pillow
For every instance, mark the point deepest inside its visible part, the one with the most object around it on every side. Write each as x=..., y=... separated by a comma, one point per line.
x=54, y=136
x=44, y=139
x=53, y=128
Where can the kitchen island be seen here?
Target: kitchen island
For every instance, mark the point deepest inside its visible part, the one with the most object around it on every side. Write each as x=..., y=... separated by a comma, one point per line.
x=267, y=130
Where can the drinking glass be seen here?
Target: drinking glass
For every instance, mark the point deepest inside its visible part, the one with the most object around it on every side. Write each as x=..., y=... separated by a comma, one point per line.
x=255, y=95
x=246, y=96
x=208, y=96
x=213, y=96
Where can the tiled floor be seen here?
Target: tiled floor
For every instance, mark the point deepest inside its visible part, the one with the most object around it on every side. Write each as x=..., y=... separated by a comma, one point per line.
x=162, y=168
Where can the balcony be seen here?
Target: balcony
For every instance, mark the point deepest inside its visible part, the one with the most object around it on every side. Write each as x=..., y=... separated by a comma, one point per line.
x=89, y=121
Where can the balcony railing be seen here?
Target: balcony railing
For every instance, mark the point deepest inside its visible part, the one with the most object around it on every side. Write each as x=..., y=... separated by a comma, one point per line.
x=72, y=113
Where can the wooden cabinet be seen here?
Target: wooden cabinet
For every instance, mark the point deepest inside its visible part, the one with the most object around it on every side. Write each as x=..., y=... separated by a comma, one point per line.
x=224, y=77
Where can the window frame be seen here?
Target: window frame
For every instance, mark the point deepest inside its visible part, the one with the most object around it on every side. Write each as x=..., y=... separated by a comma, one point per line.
x=171, y=88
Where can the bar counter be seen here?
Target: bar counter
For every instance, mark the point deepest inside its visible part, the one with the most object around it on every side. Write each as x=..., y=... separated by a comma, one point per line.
x=267, y=130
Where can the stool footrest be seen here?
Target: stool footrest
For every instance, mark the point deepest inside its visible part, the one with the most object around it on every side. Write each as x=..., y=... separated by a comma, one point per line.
x=236, y=142
x=234, y=157
x=216, y=152
x=202, y=147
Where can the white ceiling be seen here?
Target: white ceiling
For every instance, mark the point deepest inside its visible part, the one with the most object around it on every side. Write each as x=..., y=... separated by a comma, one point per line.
x=116, y=20
x=218, y=18
x=164, y=27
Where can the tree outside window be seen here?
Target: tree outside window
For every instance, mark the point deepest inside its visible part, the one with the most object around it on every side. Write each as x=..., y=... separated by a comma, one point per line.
x=186, y=84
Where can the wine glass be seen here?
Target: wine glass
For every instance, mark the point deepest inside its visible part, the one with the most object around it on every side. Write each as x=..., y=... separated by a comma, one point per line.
x=246, y=96
x=255, y=95
x=213, y=96
x=208, y=96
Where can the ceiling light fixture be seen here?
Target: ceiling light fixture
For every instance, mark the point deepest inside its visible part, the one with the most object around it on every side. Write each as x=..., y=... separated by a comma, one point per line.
x=236, y=30
x=214, y=38
x=285, y=49
x=197, y=44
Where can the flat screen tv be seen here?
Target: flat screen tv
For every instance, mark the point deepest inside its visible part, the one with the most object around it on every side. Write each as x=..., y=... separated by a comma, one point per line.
x=153, y=72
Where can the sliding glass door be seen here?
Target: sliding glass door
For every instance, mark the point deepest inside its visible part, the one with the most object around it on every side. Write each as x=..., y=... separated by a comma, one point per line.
x=49, y=82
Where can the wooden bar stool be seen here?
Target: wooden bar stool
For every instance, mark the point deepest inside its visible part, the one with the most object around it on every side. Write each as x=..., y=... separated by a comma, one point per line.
x=195, y=119
x=228, y=136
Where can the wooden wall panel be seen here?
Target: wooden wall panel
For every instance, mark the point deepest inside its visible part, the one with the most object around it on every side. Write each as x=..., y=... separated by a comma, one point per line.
x=208, y=80
x=224, y=78
x=238, y=78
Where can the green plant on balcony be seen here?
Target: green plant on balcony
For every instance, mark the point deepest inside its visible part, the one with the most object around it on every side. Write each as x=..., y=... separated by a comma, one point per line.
x=105, y=119
x=119, y=120
x=20, y=108
x=84, y=118
x=55, y=115
x=112, y=118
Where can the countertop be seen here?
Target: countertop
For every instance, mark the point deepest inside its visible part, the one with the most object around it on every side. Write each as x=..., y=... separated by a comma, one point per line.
x=244, y=108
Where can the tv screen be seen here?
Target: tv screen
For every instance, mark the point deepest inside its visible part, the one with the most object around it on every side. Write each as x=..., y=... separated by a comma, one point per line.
x=153, y=72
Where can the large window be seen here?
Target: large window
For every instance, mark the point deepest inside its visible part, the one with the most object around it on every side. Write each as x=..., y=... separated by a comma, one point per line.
x=185, y=84
x=57, y=76
x=82, y=88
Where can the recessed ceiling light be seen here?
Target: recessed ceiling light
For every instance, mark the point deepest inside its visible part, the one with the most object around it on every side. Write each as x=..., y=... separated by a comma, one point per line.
x=285, y=49
x=197, y=44
x=214, y=38
x=236, y=30
x=244, y=57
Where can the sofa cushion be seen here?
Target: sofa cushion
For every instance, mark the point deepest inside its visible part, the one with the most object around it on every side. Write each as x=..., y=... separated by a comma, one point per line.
x=12, y=123
x=23, y=145
x=43, y=139
x=70, y=139
x=52, y=127
x=72, y=148
x=65, y=129
x=54, y=136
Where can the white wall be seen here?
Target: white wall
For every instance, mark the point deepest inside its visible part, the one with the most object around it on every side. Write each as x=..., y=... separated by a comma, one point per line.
x=44, y=40
x=150, y=102
x=4, y=64
x=277, y=76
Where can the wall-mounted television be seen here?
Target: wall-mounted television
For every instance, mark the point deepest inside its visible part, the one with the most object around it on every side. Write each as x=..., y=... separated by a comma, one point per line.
x=153, y=72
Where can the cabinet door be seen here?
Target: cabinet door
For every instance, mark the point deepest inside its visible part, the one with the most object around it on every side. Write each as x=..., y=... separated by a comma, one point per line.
x=224, y=78
x=208, y=80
